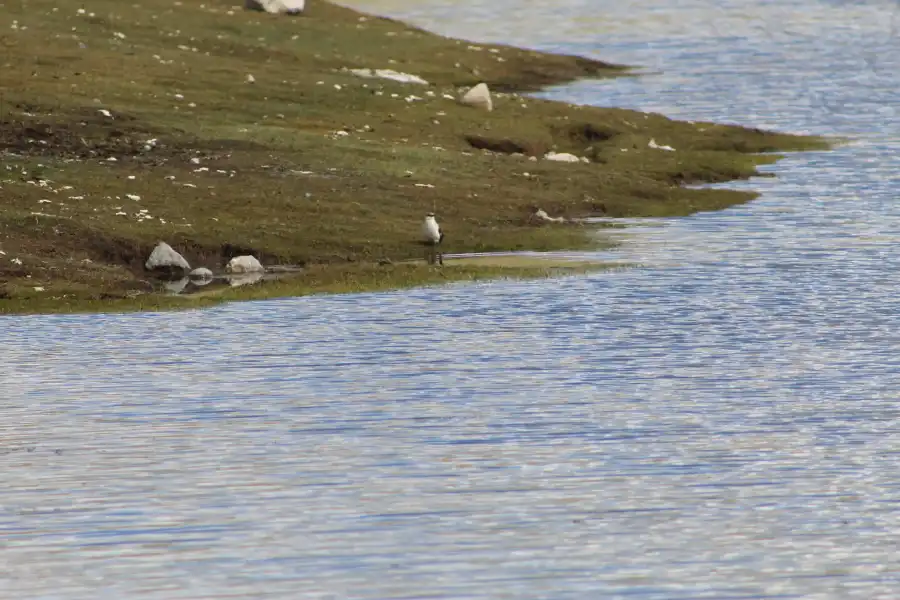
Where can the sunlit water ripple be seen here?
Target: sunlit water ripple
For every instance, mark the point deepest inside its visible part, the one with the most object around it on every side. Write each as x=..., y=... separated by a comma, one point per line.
x=718, y=423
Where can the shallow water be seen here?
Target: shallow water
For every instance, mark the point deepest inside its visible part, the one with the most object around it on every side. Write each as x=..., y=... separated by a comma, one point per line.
x=720, y=423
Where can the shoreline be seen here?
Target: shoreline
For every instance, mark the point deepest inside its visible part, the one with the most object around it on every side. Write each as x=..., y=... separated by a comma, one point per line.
x=267, y=140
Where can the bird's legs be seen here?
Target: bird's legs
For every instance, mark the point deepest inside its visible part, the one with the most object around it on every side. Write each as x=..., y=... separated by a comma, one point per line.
x=433, y=254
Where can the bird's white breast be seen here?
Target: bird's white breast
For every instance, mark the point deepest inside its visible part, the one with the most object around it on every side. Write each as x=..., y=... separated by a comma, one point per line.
x=431, y=230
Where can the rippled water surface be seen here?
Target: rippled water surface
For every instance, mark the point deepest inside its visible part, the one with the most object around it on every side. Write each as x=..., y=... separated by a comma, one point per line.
x=719, y=423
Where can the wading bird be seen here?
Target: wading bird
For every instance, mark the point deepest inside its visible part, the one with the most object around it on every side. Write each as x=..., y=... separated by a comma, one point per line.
x=433, y=238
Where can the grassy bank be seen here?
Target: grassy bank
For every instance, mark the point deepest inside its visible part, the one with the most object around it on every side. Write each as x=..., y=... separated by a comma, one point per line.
x=308, y=164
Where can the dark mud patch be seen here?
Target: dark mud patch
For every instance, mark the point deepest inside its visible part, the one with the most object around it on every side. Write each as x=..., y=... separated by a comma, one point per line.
x=86, y=133
x=589, y=133
x=502, y=145
x=79, y=134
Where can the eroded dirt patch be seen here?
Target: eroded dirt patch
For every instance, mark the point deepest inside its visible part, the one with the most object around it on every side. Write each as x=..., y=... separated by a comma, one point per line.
x=87, y=133
x=502, y=145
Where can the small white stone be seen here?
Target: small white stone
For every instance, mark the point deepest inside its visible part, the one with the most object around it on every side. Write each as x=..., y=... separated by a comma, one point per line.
x=251, y=78
x=288, y=7
x=561, y=157
x=389, y=74
x=652, y=144
x=201, y=273
x=479, y=97
x=164, y=256
x=244, y=264
x=541, y=215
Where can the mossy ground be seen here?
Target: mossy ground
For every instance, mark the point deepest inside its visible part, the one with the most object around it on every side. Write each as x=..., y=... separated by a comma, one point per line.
x=310, y=164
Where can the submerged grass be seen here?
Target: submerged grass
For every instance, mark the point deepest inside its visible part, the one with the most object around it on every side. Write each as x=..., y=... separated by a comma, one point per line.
x=310, y=164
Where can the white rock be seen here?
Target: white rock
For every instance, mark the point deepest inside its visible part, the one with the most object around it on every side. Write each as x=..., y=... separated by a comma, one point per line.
x=201, y=273
x=165, y=257
x=541, y=215
x=104, y=112
x=290, y=7
x=561, y=157
x=244, y=264
x=479, y=97
x=389, y=74
x=652, y=144
x=251, y=78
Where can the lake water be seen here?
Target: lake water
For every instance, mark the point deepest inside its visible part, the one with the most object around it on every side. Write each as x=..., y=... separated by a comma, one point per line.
x=720, y=423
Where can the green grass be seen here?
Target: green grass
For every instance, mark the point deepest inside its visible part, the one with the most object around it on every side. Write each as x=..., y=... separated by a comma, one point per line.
x=259, y=168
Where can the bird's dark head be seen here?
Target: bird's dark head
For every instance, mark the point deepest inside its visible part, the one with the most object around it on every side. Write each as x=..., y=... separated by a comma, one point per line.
x=430, y=215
